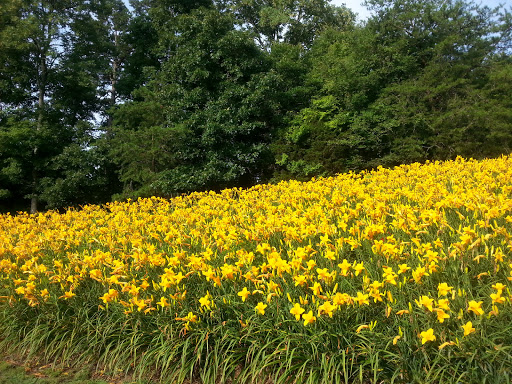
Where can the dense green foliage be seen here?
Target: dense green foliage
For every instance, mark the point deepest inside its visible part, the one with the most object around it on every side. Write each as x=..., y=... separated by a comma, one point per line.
x=98, y=100
x=417, y=81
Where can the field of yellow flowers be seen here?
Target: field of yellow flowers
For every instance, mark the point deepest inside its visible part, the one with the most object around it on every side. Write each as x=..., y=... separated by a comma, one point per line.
x=391, y=275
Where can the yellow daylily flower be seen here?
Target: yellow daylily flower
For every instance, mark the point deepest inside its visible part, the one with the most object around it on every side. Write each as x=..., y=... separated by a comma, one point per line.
x=297, y=311
x=427, y=335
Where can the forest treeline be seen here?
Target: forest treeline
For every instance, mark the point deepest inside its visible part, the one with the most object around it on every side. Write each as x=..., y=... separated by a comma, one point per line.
x=101, y=101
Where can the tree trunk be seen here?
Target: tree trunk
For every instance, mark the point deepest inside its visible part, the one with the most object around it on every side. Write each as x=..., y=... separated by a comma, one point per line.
x=41, y=85
x=113, y=83
x=34, y=200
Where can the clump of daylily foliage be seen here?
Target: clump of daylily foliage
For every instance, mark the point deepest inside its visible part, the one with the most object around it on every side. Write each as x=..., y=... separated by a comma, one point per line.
x=392, y=275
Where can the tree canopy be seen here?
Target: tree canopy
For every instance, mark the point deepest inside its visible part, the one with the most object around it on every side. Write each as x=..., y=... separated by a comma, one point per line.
x=99, y=100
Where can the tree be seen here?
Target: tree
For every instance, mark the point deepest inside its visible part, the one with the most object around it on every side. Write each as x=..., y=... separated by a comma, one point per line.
x=296, y=22
x=140, y=41
x=52, y=73
x=31, y=39
x=409, y=85
x=204, y=121
x=344, y=71
x=443, y=109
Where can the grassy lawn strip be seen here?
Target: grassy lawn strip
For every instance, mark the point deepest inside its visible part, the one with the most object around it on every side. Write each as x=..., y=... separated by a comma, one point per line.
x=12, y=372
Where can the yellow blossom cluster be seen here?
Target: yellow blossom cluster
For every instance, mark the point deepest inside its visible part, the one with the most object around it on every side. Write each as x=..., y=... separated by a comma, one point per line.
x=413, y=241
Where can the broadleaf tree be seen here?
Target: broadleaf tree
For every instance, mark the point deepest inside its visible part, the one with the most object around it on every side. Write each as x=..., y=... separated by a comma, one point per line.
x=410, y=84
x=212, y=98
